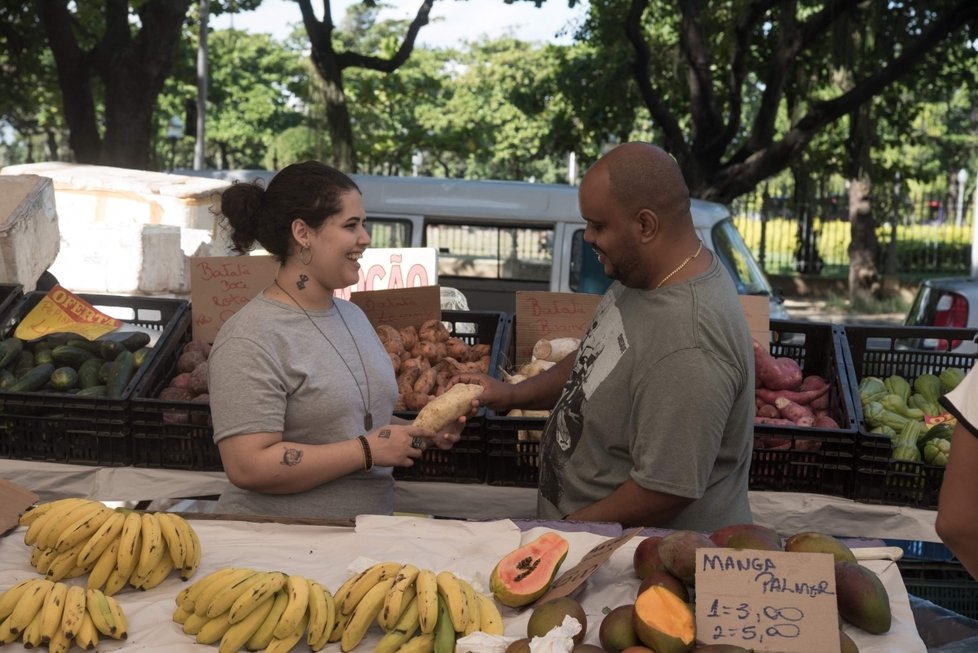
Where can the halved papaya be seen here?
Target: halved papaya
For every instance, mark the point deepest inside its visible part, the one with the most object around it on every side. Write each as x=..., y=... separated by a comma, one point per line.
x=525, y=574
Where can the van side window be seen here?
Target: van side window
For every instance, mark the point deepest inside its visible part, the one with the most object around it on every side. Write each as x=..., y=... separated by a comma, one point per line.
x=388, y=233
x=492, y=252
x=586, y=272
x=737, y=258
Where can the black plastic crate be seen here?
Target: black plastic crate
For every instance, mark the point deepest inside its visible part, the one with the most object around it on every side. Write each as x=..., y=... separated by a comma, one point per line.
x=908, y=351
x=809, y=459
x=171, y=434
x=463, y=463
x=58, y=427
x=945, y=583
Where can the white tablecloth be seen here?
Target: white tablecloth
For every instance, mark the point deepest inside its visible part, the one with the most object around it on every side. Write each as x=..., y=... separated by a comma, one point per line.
x=786, y=512
x=470, y=549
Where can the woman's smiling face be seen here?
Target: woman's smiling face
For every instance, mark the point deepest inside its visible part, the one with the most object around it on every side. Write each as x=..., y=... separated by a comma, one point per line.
x=339, y=243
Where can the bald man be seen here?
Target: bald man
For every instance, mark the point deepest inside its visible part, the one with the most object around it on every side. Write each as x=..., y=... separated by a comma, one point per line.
x=653, y=422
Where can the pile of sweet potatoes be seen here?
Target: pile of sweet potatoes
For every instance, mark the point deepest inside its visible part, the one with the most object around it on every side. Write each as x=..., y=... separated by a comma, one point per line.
x=785, y=396
x=426, y=358
x=189, y=381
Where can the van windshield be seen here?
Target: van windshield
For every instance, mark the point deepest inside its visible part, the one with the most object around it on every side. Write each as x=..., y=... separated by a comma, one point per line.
x=587, y=274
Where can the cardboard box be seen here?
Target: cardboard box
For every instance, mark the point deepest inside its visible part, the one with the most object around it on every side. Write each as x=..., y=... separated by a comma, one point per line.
x=29, y=235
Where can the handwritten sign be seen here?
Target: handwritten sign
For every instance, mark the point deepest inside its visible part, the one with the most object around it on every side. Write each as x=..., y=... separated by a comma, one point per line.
x=767, y=600
x=574, y=577
x=221, y=285
x=400, y=308
x=757, y=310
x=551, y=315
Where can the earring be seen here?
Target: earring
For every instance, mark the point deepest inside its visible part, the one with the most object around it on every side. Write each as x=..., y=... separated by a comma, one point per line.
x=305, y=248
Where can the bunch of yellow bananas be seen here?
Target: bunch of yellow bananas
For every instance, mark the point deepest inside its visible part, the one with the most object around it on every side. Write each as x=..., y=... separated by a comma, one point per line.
x=73, y=537
x=419, y=610
x=240, y=608
x=41, y=612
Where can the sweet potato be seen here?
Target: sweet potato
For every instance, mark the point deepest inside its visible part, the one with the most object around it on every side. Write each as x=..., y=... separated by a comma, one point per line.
x=429, y=351
x=534, y=367
x=197, y=383
x=390, y=338
x=441, y=412
x=556, y=349
x=797, y=413
x=409, y=337
x=455, y=348
x=479, y=350
x=433, y=331
x=768, y=410
x=395, y=362
x=416, y=400
x=426, y=382
x=189, y=360
x=776, y=373
x=802, y=398
x=825, y=422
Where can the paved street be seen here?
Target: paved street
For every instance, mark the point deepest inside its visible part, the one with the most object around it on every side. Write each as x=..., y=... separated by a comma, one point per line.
x=821, y=311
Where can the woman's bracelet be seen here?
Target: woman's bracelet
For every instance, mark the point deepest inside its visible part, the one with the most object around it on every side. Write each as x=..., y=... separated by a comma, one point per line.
x=368, y=458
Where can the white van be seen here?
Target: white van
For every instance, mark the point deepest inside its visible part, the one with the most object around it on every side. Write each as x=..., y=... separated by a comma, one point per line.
x=495, y=238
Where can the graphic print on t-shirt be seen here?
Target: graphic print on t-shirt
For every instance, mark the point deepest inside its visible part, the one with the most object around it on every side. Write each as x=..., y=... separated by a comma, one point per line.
x=601, y=349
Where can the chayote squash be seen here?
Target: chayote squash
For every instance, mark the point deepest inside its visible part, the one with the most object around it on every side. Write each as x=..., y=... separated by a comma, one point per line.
x=897, y=404
x=929, y=386
x=910, y=434
x=950, y=378
x=936, y=452
x=884, y=430
x=922, y=403
x=906, y=454
x=897, y=385
x=877, y=415
x=871, y=388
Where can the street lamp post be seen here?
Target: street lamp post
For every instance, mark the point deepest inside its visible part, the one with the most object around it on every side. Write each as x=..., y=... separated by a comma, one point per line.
x=962, y=180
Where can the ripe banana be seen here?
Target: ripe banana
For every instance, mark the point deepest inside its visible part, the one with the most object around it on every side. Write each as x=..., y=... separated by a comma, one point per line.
x=130, y=544
x=364, y=614
x=395, y=602
x=74, y=611
x=427, y=588
x=423, y=643
x=214, y=629
x=115, y=582
x=192, y=560
x=87, y=636
x=60, y=643
x=405, y=628
x=472, y=604
x=341, y=621
x=33, y=512
x=261, y=637
x=10, y=598
x=196, y=588
x=298, y=590
x=322, y=615
x=45, y=559
x=445, y=633
x=104, y=566
x=156, y=575
x=102, y=538
x=97, y=605
x=176, y=548
x=152, y=548
x=223, y=601
x=237, y=635
x=218, y=586
x=194, y=623
x=272, y=582
x=63, y=563
x=285, y=644
x=30, y=604
x=364, y=582
x=450, y=590
x=48, y=514
x=490, y=620
x=48, y=538
x=82, y=528
x=32, y=633
x=51, y=613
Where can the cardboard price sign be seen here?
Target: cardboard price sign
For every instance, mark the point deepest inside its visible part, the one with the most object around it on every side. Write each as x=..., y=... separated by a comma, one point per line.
x=221, y=285
x=400, y=308
x=767, y=600
x=757, y=310
x=14, y=500
x=574, y=577
x=551, y=315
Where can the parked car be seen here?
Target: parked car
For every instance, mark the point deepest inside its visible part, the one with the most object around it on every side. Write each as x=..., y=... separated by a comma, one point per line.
x=952, y=303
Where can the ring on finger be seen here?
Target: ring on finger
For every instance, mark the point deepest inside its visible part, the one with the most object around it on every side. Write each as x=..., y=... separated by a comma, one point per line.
x=417, y=442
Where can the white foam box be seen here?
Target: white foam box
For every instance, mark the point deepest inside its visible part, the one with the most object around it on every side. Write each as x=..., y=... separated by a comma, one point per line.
x=29, y=235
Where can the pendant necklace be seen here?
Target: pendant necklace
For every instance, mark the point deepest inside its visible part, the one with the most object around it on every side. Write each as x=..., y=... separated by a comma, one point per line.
x=681, y=266
x=368, y=420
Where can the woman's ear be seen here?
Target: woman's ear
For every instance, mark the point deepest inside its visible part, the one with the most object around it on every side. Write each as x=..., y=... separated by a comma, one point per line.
x=300, y=231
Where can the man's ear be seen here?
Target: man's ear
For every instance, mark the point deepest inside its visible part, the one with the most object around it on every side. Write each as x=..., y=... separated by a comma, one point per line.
x=648, y=224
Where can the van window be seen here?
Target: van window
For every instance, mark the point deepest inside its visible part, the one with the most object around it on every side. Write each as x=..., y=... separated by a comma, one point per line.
x=737, y=258
x=492, y=252
x=586, y=272
x=388, y=233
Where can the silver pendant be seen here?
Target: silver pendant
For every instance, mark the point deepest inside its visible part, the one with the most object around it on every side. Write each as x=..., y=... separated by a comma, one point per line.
x=368, y=422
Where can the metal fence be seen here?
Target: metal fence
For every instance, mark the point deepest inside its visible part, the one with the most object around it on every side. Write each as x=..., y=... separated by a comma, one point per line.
x=917, y=238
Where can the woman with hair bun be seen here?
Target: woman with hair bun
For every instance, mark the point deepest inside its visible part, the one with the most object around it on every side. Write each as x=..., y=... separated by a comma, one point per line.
x=302, y=391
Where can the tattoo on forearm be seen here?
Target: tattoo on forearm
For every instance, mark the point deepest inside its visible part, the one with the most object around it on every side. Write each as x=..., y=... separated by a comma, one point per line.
x=292, y=457
x=386, y=434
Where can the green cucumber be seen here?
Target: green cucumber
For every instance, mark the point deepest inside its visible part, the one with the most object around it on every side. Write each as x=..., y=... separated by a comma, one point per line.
x=88, y=373
x=24, y=363
x=120, y=374
x=71, y=355
x=131, y=340
x=9, y=350
x=109, y=349
x=139, y=356
x=64, y=378
x=33, y=379
x=43, y=355
x=91, y=391
x=81, y=343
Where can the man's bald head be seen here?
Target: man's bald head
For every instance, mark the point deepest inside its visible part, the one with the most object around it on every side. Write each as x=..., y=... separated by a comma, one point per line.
x=643, y=176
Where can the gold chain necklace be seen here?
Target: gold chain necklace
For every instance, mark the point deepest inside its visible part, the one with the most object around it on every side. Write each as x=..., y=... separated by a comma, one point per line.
x=681, y=265
x=368, y=420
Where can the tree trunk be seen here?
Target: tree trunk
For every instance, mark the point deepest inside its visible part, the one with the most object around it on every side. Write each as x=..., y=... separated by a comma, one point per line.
x=864, y=285
x=344, y=156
